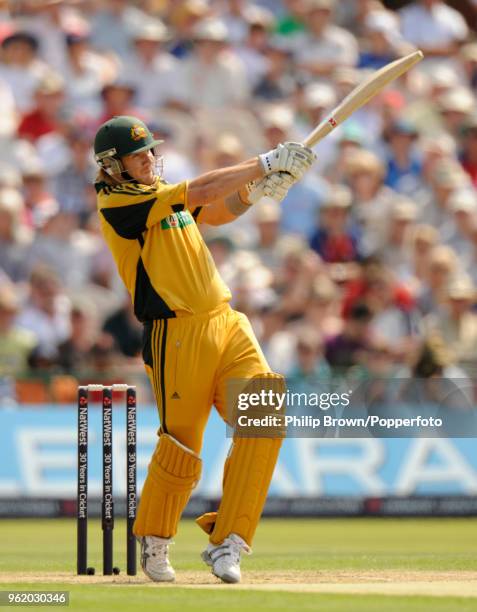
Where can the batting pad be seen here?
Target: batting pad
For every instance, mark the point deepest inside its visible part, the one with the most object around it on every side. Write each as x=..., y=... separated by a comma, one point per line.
x=248, y=472
x=173, y=473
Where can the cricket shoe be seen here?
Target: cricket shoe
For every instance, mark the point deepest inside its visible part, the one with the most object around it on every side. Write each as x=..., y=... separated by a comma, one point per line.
x=154, y=559
x=224, y=559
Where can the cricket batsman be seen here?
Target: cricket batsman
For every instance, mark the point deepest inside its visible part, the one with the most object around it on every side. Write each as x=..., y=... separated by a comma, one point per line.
x=193, y=340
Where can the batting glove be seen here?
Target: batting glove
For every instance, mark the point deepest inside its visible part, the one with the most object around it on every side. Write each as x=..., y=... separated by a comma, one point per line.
x=291, y=157
x=274, y=186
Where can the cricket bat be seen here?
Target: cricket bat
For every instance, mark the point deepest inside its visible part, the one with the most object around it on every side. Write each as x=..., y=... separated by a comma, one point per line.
x=362, y=94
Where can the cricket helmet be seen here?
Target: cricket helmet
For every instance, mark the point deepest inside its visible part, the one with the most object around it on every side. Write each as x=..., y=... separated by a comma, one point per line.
x=121, y=135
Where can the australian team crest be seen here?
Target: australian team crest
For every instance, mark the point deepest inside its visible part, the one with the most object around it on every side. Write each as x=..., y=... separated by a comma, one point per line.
x=138, y=132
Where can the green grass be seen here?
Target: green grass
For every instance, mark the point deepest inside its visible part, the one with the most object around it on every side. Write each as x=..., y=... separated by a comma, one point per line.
x=115, y=599
x=280, y=545
x=302, y=544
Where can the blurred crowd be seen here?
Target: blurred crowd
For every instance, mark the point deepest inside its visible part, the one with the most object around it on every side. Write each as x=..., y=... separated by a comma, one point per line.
x=368, y=264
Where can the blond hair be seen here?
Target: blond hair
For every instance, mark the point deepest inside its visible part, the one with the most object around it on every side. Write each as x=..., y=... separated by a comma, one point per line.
x=104, y=177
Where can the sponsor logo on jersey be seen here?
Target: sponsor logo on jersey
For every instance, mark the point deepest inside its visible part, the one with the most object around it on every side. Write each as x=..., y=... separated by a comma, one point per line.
x=177, y=220
x=138, y=132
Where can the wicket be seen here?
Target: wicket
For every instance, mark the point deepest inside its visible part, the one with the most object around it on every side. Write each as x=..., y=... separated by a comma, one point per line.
x=107, y=503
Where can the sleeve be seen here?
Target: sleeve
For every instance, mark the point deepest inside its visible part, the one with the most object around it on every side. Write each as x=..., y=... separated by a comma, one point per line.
x=132, y=209
x=196, y=213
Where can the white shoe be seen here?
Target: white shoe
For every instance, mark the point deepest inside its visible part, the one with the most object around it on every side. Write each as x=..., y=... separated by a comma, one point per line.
x=224, y=559
x=154, y=559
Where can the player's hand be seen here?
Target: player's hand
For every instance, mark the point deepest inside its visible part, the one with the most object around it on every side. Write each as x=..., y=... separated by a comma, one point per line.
x=274, y=186
x=291, y=157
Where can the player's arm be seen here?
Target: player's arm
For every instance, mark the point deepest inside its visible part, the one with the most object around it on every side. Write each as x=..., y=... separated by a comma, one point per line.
x=229, y=192
x=217, y=185
x=274, y=186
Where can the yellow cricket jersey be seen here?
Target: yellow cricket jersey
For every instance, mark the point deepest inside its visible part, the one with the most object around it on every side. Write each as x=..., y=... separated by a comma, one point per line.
x=158, y=249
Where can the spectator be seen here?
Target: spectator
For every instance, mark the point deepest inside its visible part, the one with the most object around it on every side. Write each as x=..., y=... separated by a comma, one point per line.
x=267, y=219
x=310, y=369
x=86, y=72
x=212, y=76
x=424, y=111
x=374, y=278
x=183, y=19
x=72, y=187
x=434, y=359
x=21, y=68
x=277, y=82
x=379, y=368
x=76, y=354
x=422, y=240
x=352, y=14
x=394, y=250
x=151, y=69
x=118, y=98
x=8, y=118
x=438, y=388
x=468, y=54
x=345, y=350
x=470, y=264
x=446, y=177
x=456, y=323
x=395, y=317
x=433, y=150
x=372, y=200
x=125, y=330
x=462, y=217
x=351, y=139
x=325, y=46
x=58, y=245
x=46, y=314
x=433, y=27
x=276, y=340
x=237, y=15
x=382, y=39
x=468, y=154
x=112, y=25
x=38, y=198
x=45, y=117
x=16, y=343
x=14, y=235
x=455, y=107
x=51, y=21
x=404, y=164
x=322, y=309
x=293, y=21
x=442, y=266
x=252, y=49
x=300, y=266
x=335, y=239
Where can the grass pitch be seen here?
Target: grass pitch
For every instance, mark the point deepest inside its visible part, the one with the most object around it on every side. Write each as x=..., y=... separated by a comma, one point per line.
x=330, y=565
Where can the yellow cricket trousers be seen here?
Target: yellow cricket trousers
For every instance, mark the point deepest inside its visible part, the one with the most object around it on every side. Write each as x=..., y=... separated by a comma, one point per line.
x=188, y=361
